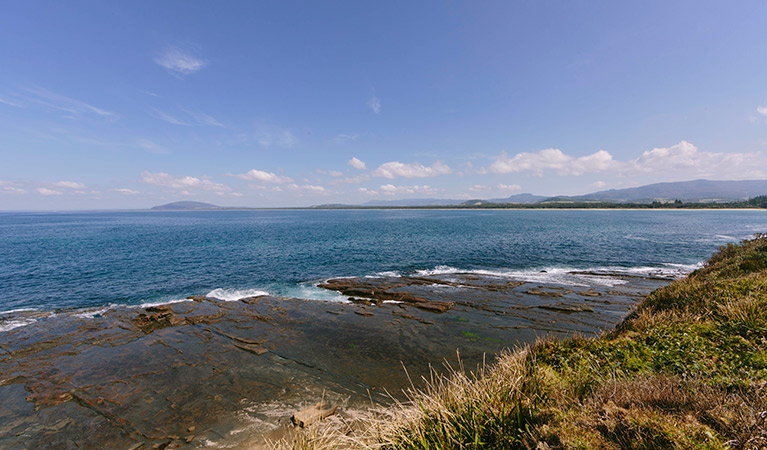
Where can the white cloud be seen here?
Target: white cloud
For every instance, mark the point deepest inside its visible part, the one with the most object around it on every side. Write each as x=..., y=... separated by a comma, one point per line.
x=390, y=189
x=374, y=103
x=47, y=192
x=396, y=169
x=14, y=190
x=552, y=159
x=69, y=185
x=179, y=61
x=308, y=188
x=599, y=184
x=762, y=110
x=684, y=160
x=126, y=191
x=510, y=187
x=183, y=183
x=357, y=164
x=680, y=161
x=266, y=177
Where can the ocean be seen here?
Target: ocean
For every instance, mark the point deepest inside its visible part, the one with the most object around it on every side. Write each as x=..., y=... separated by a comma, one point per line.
x=55, y=261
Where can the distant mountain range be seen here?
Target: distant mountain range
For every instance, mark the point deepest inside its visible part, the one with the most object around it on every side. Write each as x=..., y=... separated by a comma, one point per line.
x=688, y=191
x=697, y=191
x=185, y=206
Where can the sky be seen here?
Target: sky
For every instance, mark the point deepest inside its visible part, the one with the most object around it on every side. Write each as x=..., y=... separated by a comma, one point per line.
x=123, y=104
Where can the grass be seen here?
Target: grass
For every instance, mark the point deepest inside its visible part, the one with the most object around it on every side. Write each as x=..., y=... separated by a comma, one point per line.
x=686, y=370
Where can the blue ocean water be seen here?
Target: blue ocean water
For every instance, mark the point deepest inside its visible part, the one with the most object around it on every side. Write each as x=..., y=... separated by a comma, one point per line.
x=51, y=261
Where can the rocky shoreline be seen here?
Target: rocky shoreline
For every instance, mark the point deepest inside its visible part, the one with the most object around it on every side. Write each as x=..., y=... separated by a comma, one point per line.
x=208, y=373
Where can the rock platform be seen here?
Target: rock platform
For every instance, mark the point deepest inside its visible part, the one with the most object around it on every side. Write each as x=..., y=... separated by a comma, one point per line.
x=208, y=373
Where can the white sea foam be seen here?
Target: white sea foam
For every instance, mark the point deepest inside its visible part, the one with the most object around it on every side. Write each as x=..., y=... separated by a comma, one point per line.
x=570, y=276
x=9, y=325
x=389, y=273
x=310, y=291
x=11, y=311
x=231, y=295
x=160, y=303
x=91, y=313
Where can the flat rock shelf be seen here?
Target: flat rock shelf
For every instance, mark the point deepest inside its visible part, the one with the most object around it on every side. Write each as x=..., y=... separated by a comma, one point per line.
x=230, y=374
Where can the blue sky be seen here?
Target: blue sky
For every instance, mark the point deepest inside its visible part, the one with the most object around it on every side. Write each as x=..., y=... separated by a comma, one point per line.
x=128, y=104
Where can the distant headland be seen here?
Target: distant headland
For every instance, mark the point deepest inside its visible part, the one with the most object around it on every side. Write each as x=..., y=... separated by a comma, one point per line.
x=697, y=194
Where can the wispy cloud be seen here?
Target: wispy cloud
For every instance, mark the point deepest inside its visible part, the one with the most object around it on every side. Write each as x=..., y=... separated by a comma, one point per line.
x=508, y=188
x=69, y=185
x=41, y=98
x=9, y=102
x=269, y=135
x=390, y=190
x=179, y=61
x=308, y=189
x=343, y=137
x=47, y=192
x=374, y=103
x=396, y=169
x=126, y=191
x=183, y=183
x=190, y=118
x=331, y=173
x=357, y=164
x=265, y=177
x=203, y=119
x=152, y=146
x=168, y=118
x=361, y=178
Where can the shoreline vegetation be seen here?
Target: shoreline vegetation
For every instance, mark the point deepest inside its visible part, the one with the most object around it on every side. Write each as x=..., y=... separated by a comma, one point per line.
x=753, y=203
x=686, y=370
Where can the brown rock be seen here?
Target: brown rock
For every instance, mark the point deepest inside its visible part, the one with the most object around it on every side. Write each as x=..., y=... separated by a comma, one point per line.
x=250, y=348
x=436, y=307
x=312, y=414
x=589, y=293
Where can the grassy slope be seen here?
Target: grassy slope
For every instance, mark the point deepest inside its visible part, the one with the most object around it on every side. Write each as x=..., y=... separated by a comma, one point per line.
x=687, y=369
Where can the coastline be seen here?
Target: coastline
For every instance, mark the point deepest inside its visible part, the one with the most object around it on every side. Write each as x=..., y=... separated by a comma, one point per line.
x=687, y=369
x=235, y=371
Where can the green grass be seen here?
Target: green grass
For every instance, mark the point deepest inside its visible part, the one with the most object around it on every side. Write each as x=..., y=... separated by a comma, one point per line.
x=686, y=370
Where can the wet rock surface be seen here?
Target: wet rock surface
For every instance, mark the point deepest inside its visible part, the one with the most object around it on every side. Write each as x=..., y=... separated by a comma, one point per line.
x=207, y=373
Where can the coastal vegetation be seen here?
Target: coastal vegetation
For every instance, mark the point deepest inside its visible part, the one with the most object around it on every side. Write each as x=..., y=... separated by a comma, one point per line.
x=686, y=370
x=759, y=202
